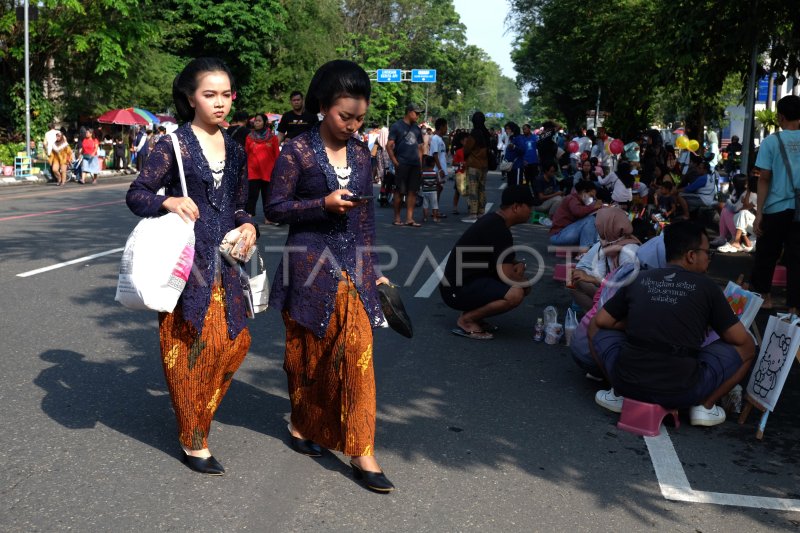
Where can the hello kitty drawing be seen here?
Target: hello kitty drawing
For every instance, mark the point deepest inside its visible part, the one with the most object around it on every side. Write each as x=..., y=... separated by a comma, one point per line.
x=765, y=375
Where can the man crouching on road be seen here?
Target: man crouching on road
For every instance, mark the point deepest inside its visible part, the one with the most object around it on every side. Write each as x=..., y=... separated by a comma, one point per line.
x=482, y=277
x=648, y=337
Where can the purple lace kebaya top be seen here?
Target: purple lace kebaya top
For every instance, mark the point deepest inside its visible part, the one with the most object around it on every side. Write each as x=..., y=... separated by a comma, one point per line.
x=320, y=244
x=221, y=210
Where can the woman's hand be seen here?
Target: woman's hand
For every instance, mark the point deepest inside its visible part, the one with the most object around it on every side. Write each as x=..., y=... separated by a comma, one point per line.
x=184, y=206
x=247, y=233
x=335, y=204
x=383, y=280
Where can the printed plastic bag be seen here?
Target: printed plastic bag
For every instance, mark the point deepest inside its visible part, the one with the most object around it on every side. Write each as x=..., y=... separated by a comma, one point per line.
x=553, y=332
x=550, y=315
x=156, y=263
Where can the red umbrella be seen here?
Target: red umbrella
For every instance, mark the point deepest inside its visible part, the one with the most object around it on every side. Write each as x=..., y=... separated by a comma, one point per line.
x=125, y=117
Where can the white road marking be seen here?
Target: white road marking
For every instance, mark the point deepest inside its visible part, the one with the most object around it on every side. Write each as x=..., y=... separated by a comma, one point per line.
x=433, y=280
x=502, y=186
x=675, y=485
x=67, y=263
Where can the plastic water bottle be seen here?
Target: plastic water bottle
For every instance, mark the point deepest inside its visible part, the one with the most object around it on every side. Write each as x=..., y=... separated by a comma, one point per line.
x=538, y=331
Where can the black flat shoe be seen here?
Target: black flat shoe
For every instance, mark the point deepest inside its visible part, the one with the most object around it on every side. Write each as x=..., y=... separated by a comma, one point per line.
x=375, y=481
x=305, y=446
x=207, y=465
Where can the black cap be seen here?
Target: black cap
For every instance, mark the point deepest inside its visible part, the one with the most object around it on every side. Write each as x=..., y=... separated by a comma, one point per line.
x=413, y=107
x=517, y=194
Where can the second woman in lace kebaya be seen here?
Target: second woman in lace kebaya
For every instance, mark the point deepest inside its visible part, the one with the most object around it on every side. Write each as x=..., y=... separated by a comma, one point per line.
x=205, y=339
x=329, y=298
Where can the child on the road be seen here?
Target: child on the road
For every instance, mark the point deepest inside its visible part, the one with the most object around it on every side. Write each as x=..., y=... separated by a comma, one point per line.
x=430, y=185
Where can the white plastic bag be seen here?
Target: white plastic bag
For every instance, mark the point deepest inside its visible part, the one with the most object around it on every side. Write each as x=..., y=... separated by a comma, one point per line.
x=570, y=325
x=157, y=259
x=550, y=315
x=259, y=287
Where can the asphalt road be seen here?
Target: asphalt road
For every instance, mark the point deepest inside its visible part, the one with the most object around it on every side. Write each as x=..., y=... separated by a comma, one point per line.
x=501, y=435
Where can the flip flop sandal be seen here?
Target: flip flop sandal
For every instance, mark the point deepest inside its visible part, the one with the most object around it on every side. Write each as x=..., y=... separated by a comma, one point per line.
x=397, y=224
x=477, y=335
x=413, y=224
x=489, y=328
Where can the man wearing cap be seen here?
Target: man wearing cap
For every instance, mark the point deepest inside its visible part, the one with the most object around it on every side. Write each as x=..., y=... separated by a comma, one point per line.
x=483, y=277
x=405, y=150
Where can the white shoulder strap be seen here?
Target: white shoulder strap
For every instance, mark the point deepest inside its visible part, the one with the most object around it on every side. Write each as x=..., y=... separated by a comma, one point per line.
x=177, y=148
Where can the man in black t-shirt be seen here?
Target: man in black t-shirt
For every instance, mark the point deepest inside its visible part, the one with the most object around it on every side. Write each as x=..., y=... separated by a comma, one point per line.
x=649, y=337
x=296, y=121
x=482, y=277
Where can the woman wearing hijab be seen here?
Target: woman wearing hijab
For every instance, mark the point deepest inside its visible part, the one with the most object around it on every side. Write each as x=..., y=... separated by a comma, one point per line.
x=262, y=149
x=617, y=246
x=476, y=157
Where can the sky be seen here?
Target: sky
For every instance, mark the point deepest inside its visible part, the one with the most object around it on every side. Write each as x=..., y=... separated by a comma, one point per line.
x=486, y=29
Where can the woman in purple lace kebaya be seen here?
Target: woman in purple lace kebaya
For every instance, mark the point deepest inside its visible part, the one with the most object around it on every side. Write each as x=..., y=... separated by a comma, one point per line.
x=326, y=283
x=205, y=339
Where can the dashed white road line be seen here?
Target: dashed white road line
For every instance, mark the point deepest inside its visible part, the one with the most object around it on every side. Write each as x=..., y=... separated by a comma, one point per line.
x=67, y=263
x=675, y=485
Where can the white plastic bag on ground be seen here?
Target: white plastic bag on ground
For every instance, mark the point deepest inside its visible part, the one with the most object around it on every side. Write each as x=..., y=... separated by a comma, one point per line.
x=550, y=315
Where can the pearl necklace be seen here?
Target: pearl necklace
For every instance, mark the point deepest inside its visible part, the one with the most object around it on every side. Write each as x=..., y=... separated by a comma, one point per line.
x=343, y=175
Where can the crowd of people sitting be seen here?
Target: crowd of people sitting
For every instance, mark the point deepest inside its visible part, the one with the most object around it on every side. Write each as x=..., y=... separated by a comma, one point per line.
x=635, y=221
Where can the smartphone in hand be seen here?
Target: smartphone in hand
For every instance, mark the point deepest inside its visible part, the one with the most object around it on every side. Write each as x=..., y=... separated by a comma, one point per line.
x=357, y=197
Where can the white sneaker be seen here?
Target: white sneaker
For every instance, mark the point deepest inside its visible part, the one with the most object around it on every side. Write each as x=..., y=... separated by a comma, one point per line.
x=470, y=219
x=728, y=249
x=750, y=248
x=609, y=400
x=700, y=416
x=546, y=222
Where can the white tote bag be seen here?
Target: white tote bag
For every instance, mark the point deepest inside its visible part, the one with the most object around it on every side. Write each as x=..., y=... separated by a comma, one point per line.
x=158, y=258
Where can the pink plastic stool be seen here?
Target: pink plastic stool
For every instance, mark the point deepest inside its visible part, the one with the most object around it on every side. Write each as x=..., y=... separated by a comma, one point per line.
x=644, y=418
x=560, y=271
x=779, y=277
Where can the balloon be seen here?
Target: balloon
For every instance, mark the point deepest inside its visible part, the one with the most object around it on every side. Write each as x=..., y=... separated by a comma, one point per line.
x=616, y=147
x=681, y=141
x=573, y=147
x=693, y=145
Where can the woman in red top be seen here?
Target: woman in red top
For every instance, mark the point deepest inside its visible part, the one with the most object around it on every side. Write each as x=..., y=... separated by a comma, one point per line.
x=262, y=147
x=91, y=163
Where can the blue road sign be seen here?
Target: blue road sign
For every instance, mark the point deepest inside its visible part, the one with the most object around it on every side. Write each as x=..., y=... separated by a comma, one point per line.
x=423, y=76
x=389, y=75
x=489, y=115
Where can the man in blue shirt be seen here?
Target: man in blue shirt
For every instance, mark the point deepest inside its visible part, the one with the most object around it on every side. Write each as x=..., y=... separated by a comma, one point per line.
x=776, y=223
x=531, y=155
x=405, y=150
x=700, y=192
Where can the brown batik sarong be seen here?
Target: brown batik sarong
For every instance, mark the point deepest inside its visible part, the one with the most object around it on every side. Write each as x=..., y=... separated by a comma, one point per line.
x=331, y=380
x=199, y=369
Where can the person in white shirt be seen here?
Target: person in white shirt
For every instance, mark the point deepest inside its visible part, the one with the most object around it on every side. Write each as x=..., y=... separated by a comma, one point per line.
x=438, y=150
x=50, y=139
